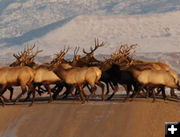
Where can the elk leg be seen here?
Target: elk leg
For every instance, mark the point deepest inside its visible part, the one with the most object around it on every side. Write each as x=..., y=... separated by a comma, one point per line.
x=145, y=92
x=2, y=100
x=93, y=91
x=129, y=88
x=33, y=93
x=70, y=90
x=3, y=89
x=59, y=89
x=5, y=99
x=137, y=92
x=41, y=90
x=163, y=93
x=28, y=96
x=158, y=91
x=173, y=93
x=86, y=85
x=32, y=90
x=81, y=94
x=102, y=88
x=24, y=90
x=115, y=90
x=112, y=85
x=154, y=96
x=11, y=92
x=76, y=92
x=107, y=87
x=49, y=91
x=54, y=89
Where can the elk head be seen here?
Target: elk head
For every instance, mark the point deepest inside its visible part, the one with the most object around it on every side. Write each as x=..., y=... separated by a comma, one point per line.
x=59, y=58
x=124, y=54
x=26, y=57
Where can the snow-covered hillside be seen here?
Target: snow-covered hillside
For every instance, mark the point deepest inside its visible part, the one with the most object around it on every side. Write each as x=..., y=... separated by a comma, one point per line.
x=153, y=25
x=151, y=32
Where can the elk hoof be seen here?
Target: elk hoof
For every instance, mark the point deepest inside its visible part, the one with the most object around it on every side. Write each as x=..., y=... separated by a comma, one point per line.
x=125, y=100
x=50, y=101
x=30, y=105
x=153, y=101
x=109, y=98
x=82, y=102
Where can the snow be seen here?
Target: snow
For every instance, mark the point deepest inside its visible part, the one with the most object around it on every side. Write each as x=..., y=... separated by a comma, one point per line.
x=152, y=33
x=51, y=24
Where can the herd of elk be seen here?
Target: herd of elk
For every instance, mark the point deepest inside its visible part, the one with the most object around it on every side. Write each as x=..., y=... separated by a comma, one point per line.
x=120, y=68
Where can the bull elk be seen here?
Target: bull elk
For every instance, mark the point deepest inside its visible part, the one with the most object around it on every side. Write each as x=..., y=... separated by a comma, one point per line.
x=141, y=64
x=78, y=76
x=154, y=79
x=17, y=76
x=43, y=75
x=89, y=59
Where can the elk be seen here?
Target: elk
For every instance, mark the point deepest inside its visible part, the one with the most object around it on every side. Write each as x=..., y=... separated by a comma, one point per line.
x=78, y=76
x=87, y=60
x=155, y=66
x=43, y=75
x=17, y=76
x=153, y=79
x=112, y=72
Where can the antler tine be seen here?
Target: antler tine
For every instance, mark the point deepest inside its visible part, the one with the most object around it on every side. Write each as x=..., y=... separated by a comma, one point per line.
x=97, y=45
x=84, y=51
x=65, y=51
x=16, y=56
x=76, y=50
x=31, y=48
x=37, y=51
x=62, y=52
x=133, y=54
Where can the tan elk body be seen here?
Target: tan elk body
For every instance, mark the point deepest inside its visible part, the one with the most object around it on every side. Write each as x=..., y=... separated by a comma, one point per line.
x=155, y=78
x=153, y=65
x=16, y=76
x=79, y=76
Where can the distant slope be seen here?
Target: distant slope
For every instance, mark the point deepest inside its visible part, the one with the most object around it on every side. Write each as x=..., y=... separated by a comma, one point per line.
x=153, y=32
x=20, y=16
x=25, y=20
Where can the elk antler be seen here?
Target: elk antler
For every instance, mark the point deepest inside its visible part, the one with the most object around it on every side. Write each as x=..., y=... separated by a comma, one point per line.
x=123, y=53
x=28, y=55
x=97, y=45
x=76, y=51
x=22, y=54
x=34, y=54
x=61, y=54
